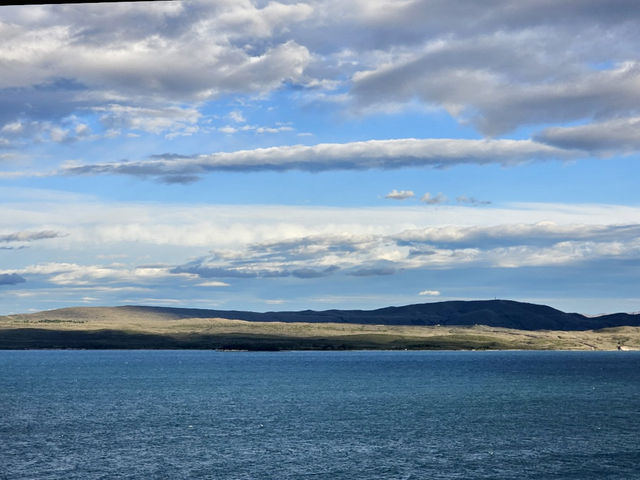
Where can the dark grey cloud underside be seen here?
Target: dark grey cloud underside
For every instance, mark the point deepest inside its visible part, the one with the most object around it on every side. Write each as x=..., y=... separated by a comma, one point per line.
x=610, y=137
x=11, y=279
x=29, y=236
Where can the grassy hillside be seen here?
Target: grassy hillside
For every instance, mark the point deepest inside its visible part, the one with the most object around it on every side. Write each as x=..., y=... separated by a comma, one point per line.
x=140, y=327
x=494, y=313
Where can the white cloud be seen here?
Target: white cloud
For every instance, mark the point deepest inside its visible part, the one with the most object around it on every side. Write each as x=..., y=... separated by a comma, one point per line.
x=399, y=194
x=73, y=274
x=275, y=301
x=506, y=102
x=213, y=284
x=141, y=67
x=13, y=128
x=82, y=130
x=531, y=64
x=443, y=247
x=154, y=67
x=237, y=116
x=429, y=293
x=185, y=52
x=387, y=154
x=229, y=129
x=153, y=120
x=178, y=247
x=87, y=221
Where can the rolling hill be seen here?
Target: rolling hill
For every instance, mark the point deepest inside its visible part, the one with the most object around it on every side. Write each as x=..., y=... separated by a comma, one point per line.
x=492, y=313
x=491, y=324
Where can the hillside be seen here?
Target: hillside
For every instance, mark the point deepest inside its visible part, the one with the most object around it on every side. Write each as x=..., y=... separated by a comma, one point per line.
x=492, y=313
x=494, y=325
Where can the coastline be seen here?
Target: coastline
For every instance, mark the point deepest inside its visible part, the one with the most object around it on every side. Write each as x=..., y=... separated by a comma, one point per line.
x=165, y=328
x=253, y=336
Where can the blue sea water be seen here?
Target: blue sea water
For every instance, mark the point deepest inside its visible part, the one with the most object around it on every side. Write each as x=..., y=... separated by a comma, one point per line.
x=319, y=415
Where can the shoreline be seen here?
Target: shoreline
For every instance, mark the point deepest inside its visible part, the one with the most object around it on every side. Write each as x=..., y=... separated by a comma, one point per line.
x=168, y=328
x=261, y=337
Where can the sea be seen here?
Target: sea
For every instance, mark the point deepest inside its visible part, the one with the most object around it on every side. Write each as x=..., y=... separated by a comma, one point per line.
x=184, y=414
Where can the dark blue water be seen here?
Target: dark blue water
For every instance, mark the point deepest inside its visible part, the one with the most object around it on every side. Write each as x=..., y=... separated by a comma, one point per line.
x=333, y=415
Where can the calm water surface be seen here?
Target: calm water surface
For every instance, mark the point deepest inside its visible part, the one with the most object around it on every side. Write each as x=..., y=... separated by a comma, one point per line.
x=333, y=415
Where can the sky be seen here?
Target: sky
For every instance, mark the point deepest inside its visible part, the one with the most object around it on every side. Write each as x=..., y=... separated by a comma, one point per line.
x=320, y=154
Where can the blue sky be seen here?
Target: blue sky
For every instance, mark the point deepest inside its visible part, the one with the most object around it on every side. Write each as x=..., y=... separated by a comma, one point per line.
x=320, y=154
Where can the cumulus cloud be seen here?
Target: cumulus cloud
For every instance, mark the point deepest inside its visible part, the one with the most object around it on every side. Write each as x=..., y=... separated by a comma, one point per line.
x=506, y=103
x=383, y=154
x=443, y=247
x=440, y=17
x=237, y=117
x=304, y=258
x=154, y=120
x=89, y=222
x=145, y=67
x=178, y=52
x=20, y=132
x=617, y=136
x=399, y=194
x=155, y=68
x=74, y=274
x=532, y=63
x=511, y=65
x=313, y=245
x=264, y=245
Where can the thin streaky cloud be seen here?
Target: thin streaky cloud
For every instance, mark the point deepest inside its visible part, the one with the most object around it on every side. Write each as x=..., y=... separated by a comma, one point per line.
x=29, y=236
x=471, y=200
x=372, y=154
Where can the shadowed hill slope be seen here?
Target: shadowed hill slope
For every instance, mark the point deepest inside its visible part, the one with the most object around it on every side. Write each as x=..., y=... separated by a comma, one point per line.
x=493, y=313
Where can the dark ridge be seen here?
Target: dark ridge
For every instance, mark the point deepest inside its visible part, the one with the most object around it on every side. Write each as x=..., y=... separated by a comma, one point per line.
x=493, y=313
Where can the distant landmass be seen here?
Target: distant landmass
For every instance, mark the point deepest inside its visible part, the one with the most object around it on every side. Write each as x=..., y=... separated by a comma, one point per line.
x=492, y=313
x=482, y=324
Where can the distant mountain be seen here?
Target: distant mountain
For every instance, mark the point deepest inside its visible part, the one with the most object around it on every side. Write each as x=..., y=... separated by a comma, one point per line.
x=493, y=313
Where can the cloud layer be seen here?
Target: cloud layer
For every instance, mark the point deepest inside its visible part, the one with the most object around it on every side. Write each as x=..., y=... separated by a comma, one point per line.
x=381, y=154
x=228, y=244
x=154, y=68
